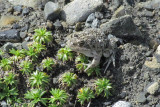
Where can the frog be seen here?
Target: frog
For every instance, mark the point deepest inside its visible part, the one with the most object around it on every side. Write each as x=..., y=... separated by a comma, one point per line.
x=92, y=42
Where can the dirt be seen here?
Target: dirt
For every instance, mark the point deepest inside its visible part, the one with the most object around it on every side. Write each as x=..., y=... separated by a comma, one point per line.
x=136, y=67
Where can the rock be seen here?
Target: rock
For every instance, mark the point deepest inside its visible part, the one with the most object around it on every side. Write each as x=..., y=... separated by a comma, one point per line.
x=122, y=95
x=129, y=2
x=146, y=13
x=25, y=45
x=153, y=88
x=49, y=25
x=119, y=12
x=95, y=23
x=158, y=105
x=10, y=35
x=141, y=97
x=79, y=10
x=4, y=104
x=18, y=8
x=78, y=26
x=90, y=18
x=115, y=4
x=122, y=27
x=98, y=15
x=153, y=64
x=122, y=104
x=51, y=11
x=23, y=34
x=25, y=11
x=16, y=26
x=58, y=24
x=6, y=47
x=151, y=4
x=158, y=50
x=28, y=3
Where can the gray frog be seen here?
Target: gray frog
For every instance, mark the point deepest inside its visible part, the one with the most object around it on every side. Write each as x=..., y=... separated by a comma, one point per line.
x=93, y=43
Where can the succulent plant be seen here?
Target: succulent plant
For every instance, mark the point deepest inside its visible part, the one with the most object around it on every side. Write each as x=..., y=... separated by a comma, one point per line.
x=103, y=86
x=39, y=79
x=59, y=97
x=85, y=94
x=69, y=79
x=5, y=64
x=48, y=63
x=35, y=95
x=42, y=36
x=65, y=54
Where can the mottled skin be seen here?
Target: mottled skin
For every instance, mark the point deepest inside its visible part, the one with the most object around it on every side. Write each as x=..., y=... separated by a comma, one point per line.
x=93, y=43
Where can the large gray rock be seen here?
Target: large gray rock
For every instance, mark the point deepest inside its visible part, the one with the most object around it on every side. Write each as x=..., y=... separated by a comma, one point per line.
x=152, y=4
x=10, y=35
x=79, y=10
x=51, y=11
x=29, y=3
x=122, y=27
x=122, y=104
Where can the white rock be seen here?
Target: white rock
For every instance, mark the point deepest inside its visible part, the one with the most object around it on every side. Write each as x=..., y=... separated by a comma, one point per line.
x=122, y=104
x=158, y=50
x=79, y=10
x=28, y=3
x=153, y=88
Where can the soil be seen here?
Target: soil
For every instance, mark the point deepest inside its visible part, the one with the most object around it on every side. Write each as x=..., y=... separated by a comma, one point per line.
x=131, y=75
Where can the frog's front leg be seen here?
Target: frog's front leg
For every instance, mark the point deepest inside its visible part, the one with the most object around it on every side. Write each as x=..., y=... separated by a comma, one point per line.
x=95, y=62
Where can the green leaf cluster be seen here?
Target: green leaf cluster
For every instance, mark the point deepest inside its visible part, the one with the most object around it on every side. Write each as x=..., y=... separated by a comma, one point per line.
x=39, y=79
x=58, y=98
x=6, y=64
x=103, y=86
x=48, y=64
x=85, y=94
x=36, y=95
x=42, y=36
x=65, y=54
x=69, y=78
x=8, y=90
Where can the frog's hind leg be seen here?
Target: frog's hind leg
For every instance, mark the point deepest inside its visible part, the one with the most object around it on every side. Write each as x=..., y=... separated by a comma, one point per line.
x=95, y=62
x=109, y=60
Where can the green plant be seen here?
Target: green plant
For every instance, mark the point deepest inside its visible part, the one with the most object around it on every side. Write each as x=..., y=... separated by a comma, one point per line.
x=85, y=94
x=93, y=70
x=35, y=95
x=38, y=47
x=1, y=52
x=26, y=67
x=8, y=91
x=42, y=36
x=47, y=63
x=81, y=62
x=5, y=64
x=32, y=53
x=9, y=94
x=65, y=54
x=10, y=79
x=18, y=54
x=69, y=78
x=59, y=97
x=103, y=86
x=39, y=79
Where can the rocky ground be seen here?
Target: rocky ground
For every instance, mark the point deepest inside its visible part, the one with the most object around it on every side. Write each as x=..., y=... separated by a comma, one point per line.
x=136, y=77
